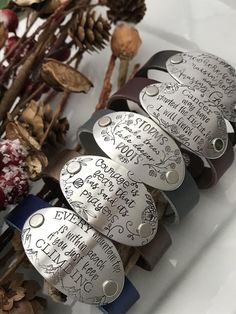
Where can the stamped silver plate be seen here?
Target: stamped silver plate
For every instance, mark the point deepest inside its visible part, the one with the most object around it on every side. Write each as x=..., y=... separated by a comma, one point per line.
x=72, y=256
x=209, y=74
x=185, y=114
x=142, y=147
x=110, y=198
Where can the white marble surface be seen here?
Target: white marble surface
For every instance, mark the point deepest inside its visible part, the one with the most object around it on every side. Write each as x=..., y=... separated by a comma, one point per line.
x=198, y=273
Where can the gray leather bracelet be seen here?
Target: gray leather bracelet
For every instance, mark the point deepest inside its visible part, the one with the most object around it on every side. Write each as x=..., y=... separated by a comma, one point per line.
x=181, y=200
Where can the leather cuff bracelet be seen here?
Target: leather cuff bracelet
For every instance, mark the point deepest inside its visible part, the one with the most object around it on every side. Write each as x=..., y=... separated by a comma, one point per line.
x=137, y=143
x=182, y=113
x=71, y=255
x=203, y=71
x=161, y=242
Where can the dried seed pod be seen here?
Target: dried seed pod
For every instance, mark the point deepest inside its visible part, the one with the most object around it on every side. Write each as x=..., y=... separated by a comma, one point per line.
x=15, y=130
x=90, y=32
x=125, y=41
x=63, y=77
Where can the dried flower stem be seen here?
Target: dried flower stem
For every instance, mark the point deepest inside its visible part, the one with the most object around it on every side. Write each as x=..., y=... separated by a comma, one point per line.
x=107, y=86
x=123, y=71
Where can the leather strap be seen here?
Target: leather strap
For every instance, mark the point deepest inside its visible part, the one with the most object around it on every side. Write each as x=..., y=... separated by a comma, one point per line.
x=205, y=177
x=52, y=173
x=123, y=303
x=156, y=62
x=16, y=219
x=148, y=258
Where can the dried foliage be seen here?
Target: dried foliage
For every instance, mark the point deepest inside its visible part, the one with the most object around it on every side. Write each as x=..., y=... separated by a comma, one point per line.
x=18, y=296
x=63, y=77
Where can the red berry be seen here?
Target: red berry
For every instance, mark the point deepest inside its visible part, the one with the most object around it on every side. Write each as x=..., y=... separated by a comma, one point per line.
x=10, y=19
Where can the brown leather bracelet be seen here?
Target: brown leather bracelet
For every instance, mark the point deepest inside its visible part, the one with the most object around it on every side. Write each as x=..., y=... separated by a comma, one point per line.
x=205, y=176
x=158, y=62
x=150, y=254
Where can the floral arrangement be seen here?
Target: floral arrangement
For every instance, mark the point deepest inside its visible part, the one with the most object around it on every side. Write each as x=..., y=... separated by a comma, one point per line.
x=38, y=68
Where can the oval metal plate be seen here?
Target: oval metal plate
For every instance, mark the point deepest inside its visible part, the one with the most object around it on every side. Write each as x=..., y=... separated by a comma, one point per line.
x=209, y=74
x=72, y=256
x=137, y=143
x=184, y=113
x=110, y=198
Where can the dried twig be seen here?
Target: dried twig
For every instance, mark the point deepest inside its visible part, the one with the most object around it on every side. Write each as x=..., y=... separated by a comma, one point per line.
x=107, y=86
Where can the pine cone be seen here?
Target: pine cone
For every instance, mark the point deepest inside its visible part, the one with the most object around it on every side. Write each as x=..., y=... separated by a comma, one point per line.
x=126, y=10
x=90, y=32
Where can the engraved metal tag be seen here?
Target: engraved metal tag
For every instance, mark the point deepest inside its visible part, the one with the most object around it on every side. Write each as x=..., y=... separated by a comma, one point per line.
x=110, y=198
x=185, y=114
x=142, y=147
x=209, y=74
x=72, y=256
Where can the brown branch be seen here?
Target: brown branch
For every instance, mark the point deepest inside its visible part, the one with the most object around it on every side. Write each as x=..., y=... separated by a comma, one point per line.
x=107, y=86
x=6, y=257
x=5, y=237
x=56, y=115
x=5, y=277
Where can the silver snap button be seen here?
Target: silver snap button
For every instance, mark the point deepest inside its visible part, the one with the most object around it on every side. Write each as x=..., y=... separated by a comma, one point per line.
x=104, y=121
x=74, y=167
x=36, y=220
x=172, y=177
x=145, y=230
x=152, y=90
x=110, y=288
x=218, y=144
x=176, y=59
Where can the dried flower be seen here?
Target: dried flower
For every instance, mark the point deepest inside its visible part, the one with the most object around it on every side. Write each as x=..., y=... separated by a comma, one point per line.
x=36, y=162
x=18, y=296
x=63, y=77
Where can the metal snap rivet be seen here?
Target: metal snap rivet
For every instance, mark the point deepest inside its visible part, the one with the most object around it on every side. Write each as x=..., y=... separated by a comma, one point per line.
x=152, y=90
x=104, y=121
x=74, y=167
x=234, y=108
x=36, y=220
x=145, y=230
x=218, y=144
x=110, y=288
x=172, y=177
x=176, y=59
